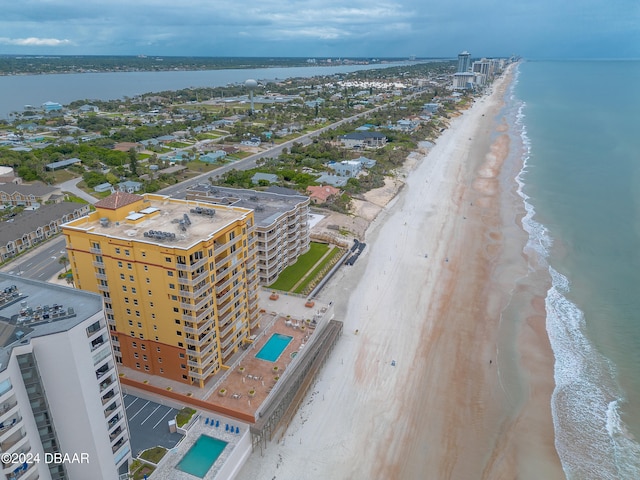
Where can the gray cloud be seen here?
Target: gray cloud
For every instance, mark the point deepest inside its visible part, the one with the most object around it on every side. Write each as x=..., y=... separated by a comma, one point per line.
x=322, y=27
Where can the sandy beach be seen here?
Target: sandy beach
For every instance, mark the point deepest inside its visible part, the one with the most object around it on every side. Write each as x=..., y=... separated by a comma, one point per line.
x=469, y=395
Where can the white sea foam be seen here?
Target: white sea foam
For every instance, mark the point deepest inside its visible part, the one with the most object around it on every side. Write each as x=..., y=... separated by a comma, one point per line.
x=591, y=439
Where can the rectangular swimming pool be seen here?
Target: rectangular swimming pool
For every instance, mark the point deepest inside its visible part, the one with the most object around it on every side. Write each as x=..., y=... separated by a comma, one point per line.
x=201, y=456
x=274, y=347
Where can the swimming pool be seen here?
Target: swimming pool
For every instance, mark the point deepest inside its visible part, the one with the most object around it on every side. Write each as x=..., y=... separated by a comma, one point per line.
x=274, y=347
x=201, y=456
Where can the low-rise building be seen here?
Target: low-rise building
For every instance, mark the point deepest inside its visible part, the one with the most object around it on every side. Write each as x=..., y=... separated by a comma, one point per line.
x=27, y=195
x=30, y=228
x=367, y=139
x=321, y=193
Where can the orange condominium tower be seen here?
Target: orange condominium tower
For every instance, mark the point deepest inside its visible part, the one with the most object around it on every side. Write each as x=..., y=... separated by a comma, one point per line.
x=178, y=278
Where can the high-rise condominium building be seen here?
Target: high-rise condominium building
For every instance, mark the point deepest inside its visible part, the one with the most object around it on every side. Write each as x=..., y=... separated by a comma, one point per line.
x=178, y=278
x=282, y=224
x=464, y=62
x=59, y=389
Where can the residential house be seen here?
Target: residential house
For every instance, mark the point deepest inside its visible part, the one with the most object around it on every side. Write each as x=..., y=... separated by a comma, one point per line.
x=130, y=186
x=346, y=168
x=332, y=180
x=103, y=187
x=367, y=139
x=213, y=157
x=321, y=193
x=62, y=164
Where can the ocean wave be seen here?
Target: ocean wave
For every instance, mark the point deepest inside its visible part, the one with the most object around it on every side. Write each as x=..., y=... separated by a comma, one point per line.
x=590, y=436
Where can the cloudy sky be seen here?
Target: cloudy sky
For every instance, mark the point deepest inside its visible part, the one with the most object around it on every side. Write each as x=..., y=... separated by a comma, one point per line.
x=319, y=28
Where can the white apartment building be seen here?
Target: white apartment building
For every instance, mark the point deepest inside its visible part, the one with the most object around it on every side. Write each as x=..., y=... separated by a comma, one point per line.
x=281, y=224
x=61, y=410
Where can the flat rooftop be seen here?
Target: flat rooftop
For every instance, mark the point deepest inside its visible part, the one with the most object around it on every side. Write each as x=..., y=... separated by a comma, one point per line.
x=30, y=308
x=267, y=206
x=167, y=222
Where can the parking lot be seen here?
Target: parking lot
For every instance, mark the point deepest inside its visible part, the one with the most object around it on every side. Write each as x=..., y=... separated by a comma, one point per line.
x=149, y=424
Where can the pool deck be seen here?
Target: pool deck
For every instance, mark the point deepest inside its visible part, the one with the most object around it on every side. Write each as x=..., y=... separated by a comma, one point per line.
x=167, y=469
x=259, y=375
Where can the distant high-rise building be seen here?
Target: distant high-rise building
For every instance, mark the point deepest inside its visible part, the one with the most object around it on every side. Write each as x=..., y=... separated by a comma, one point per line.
x=59, y=388
x=178, y=278
x=464, y=62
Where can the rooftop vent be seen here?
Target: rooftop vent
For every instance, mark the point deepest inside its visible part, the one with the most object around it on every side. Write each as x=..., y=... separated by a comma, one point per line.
x=104, y=222
x=209, y=212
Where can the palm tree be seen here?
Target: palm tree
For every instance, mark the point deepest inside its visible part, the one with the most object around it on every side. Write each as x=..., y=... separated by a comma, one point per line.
x=63, y=260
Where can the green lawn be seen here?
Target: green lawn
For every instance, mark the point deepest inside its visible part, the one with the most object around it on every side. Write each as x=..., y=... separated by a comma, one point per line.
x=154, y=455
x=184, y=416
x=293, y=273
x=312, y=275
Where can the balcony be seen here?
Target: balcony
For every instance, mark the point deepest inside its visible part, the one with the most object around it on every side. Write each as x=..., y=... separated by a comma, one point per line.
x=98, y=264
x=118, y=445
x=13, y=441
x=7, y=409
x=105, y=384
x=115, y=434
x=101, y=276
x=224, y=319
x=218, y=249
x=187, y=317
x=193, y=281
x=97, y=343
x=103, y=288
x=95, y=251
x=114, y=421
x=223, y=261
x=194, y=266
x=199, y=330
x=110, y=409
x=93, y=329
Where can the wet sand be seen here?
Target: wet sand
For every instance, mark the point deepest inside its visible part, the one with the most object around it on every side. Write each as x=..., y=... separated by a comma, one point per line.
x=437, y=291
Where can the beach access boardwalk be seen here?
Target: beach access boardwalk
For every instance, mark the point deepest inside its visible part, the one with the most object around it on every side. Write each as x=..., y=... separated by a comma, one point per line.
x=280, y=409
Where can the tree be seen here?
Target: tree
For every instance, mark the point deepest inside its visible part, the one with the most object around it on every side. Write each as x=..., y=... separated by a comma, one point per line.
x=63, y=260
x=133, y=162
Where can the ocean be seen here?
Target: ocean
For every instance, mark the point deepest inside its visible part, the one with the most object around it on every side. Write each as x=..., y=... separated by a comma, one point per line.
x=578, y=125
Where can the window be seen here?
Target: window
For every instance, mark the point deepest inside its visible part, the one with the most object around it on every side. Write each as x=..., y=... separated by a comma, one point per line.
x=134, y=344
x=118, y=251
x=153, y=315
x=172, y=286
x=137, y=365
x=141, y=335
x=133, y=290
x=128, y=311
x=184, y=377
x=167, y=259
x=149, y=292
x=146, y=367
x=124, y=288
x=126, y=299
x=146, y=268
x=180, y=344
x=143, y=346
x=158, y=349
x=162, y=370
x=119, y=264
x=126, y=252
x=144, y=254
x=148, y=280
x=129, y=266
x=157, y=340
x=150, y=304
x=135, y=354
x=131, y=323
x=183, y=366
x=144, y=357
x=179, y=333
x=159, y=359
x=177, y=321
x=181, y=355
x=139, y=324
x=122, y=276
x=135, y=301
x=138, y=314
x=170, y=273
x=174, y=297
x=175, y=309
x=131, y=278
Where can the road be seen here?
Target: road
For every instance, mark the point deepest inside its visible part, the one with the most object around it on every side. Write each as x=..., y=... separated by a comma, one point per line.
x=41, y=263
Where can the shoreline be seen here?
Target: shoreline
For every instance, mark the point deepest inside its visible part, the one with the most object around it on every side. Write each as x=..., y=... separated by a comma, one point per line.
x=440, y=258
